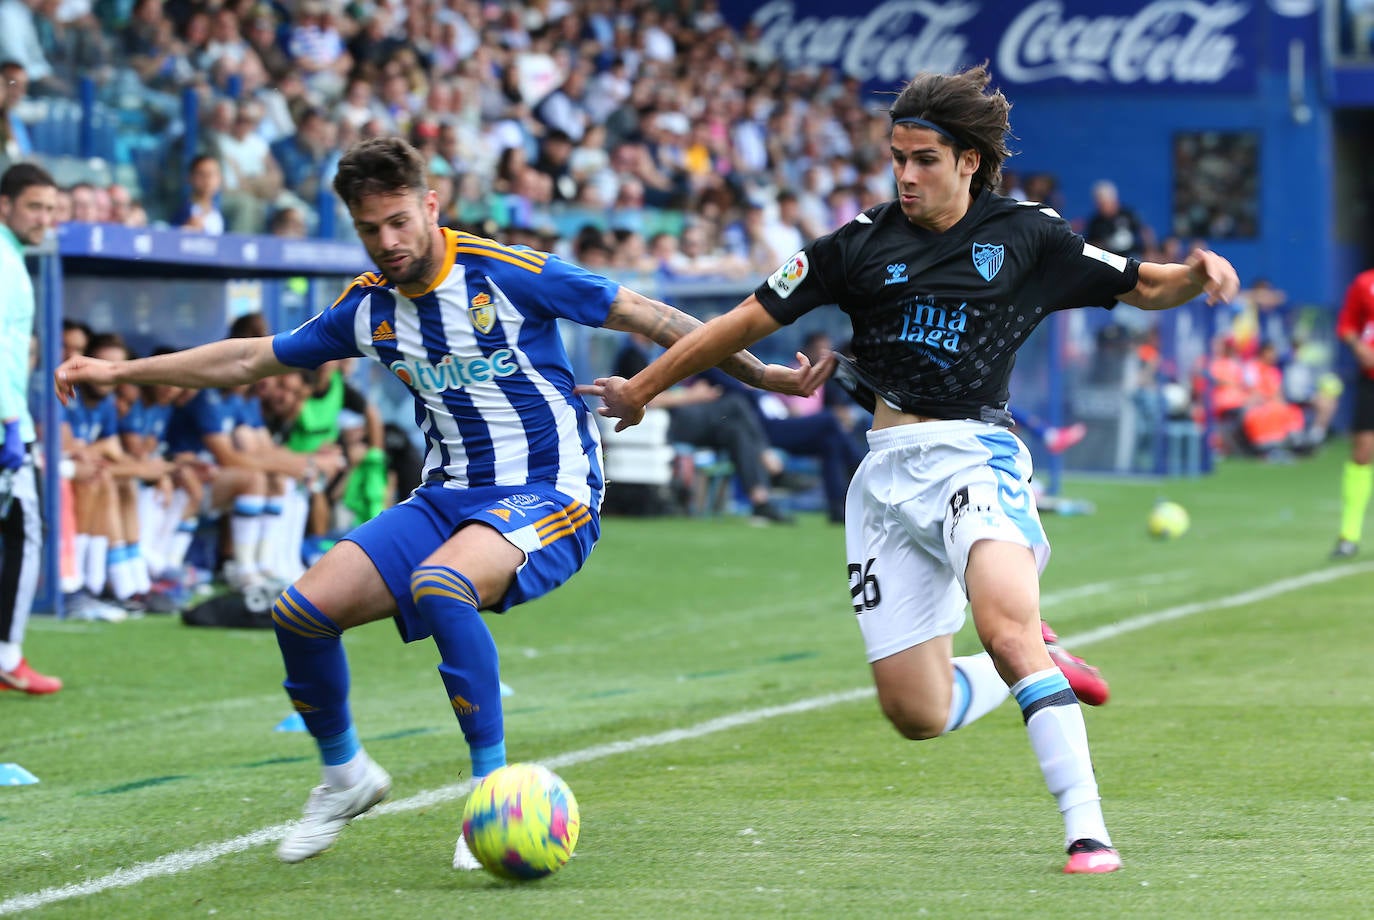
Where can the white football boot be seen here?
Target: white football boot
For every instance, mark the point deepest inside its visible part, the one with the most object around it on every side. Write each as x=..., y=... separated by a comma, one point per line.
x=328, y=811
x=463, y=859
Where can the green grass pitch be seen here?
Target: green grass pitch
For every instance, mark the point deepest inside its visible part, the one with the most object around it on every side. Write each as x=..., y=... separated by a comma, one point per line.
x=701, y=686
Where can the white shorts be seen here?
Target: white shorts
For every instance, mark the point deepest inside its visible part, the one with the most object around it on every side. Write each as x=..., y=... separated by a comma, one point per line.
x=922, y=497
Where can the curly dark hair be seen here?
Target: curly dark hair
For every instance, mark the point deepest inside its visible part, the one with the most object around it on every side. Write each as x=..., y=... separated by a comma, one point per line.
x=379, y=166
x=961, y=105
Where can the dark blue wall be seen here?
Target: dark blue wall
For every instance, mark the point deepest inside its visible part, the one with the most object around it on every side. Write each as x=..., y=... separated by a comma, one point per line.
x=1085, y=137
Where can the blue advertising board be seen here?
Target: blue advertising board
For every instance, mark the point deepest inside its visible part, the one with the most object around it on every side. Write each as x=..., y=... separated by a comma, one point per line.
x=1117, y=46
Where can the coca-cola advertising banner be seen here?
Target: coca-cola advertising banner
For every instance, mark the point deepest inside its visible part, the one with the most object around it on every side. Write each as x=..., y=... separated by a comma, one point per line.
x=1114, y=45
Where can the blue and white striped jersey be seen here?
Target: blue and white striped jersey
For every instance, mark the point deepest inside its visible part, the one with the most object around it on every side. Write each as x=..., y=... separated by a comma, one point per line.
x=481, y=354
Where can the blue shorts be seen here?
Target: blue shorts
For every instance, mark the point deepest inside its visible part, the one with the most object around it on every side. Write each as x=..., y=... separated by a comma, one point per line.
x=556, y=532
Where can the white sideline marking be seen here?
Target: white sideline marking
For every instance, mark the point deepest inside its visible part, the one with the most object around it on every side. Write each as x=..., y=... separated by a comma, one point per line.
x=174, y=863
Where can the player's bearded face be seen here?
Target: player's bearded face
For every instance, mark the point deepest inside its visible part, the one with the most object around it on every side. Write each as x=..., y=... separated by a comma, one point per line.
x=932, y=178
x=398, y=231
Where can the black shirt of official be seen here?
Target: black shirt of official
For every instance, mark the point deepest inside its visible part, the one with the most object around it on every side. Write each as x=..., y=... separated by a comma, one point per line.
x=938, y=317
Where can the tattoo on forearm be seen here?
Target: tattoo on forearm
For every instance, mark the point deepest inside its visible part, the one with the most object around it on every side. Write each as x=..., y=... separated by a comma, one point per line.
x=665, y=324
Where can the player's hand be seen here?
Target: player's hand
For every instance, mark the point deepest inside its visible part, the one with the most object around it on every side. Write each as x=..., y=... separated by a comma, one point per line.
x=1216, y=276
x=78, y=370
x=616, y=402
x=801, y=380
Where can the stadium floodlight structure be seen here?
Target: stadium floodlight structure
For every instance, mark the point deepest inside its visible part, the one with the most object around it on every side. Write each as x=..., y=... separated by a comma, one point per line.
x=164, y=287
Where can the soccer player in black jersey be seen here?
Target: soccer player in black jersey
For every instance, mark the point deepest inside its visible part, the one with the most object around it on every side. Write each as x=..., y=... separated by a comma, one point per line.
x=942, y=286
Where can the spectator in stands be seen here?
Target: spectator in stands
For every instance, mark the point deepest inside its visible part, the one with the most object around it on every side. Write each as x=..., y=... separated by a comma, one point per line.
x=287, y=222
x=200, y=213
x=1114, y=227
x=252, y=177
x=122, y=206
x=563, y=110
x=262, y=37
x=630, y=253
x=20, y=42
x=15, y=139
x=85, y=205
x=305, y=156
x=317, y=48
x=555, y=152
x=704, y=414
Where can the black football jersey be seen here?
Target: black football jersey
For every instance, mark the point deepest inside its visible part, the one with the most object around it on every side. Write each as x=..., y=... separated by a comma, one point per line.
x=938, y=317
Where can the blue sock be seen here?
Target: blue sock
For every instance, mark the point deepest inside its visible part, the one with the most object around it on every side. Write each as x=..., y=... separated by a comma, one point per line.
x=316, y=674
x=448, y=603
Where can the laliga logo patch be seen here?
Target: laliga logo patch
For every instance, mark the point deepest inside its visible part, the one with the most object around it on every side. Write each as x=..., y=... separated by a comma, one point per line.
x=792, y=273
x=988, y=258
x=481, y=313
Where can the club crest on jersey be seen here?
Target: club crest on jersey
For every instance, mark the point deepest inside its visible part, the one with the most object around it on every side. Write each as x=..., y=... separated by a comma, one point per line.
x=481, y=313
x=988, y=258
x=896, y=274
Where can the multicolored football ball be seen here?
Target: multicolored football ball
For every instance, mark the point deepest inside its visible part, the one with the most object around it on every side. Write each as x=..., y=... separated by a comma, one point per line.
x=521, y=822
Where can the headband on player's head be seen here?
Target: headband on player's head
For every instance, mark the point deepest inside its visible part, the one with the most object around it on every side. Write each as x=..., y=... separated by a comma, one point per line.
x=913, y=120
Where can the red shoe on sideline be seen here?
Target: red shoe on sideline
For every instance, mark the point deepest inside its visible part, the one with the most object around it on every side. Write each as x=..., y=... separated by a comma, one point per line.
x=1091, y=857
x=1085, y=680
x=1059, y=440
x=27, y=680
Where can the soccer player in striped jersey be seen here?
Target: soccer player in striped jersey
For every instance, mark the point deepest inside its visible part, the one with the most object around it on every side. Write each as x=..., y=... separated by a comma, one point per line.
x=509, y=504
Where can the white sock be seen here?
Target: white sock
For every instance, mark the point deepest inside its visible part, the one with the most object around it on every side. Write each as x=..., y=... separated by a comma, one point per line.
x=10, y=656
x=245, y=526
x=150, y=513
x=180, y=545
x=143, y=580
x=1060, y=741
x=269, y=544
x=121, y=571
x=979, y=692
x=345, y=775
x=97, y=553
x=83, y=554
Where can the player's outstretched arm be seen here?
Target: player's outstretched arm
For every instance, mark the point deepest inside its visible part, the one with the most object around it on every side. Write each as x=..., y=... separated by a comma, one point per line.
x=665, y=324
x=707, y=345
x=227, y=363
x=1162, y=286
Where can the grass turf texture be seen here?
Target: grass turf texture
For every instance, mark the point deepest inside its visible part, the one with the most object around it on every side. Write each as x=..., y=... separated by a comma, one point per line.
x=1234, y=757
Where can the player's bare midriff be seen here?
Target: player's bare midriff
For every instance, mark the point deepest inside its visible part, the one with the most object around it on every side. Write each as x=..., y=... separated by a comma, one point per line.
x=884, y=416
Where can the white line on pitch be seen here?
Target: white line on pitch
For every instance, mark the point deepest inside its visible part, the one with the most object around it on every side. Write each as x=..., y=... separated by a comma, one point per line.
x=174, y=863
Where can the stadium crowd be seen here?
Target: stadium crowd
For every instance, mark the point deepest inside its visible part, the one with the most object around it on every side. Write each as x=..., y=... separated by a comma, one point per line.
x=637, y=138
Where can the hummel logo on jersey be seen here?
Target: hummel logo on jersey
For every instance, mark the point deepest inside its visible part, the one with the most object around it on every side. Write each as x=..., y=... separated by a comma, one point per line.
x=384, y=332
x=897, y=274
x=988, y=258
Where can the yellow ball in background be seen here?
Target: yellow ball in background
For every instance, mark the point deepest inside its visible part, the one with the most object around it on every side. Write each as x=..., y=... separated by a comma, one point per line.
x=1168, y=521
